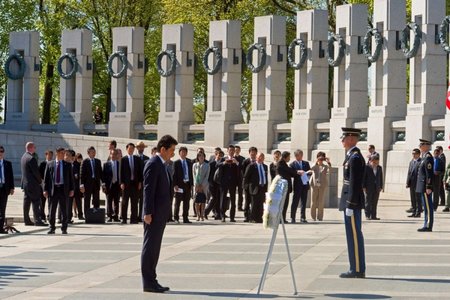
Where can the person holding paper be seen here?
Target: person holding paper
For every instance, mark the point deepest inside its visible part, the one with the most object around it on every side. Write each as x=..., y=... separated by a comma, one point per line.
x=352, y=202
x=301, y=186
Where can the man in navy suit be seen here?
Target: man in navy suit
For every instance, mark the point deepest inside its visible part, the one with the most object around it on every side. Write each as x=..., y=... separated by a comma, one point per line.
x=6, y=186
x=131, y=184
x=157, y=194
x=58, y=187
x=300, y=188
x=111, y=177
x=182, y=181
x=90, y=179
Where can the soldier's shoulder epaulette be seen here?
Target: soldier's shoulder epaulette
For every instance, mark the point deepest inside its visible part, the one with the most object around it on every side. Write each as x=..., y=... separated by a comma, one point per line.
x=355, y=154
x=428, y=155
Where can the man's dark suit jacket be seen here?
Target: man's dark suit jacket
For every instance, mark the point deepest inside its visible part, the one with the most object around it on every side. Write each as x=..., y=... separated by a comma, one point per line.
x=251, y=179
x=230, y=173
x=76, y=168
x=86, y=173
x=212, y=170
x=411, y=178
x=9, y=177
x=298, y=183
x=50, y=177
x=157, y=190
x=178, y=174
x=125, y=170
x=108, y=174
x=42, y=167
x=371, y=182
x=287, y=173
x=31, y=178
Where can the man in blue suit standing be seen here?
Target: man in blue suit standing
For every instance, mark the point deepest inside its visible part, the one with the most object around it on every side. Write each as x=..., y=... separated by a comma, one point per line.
x=156, y=210
x=301, y=188
x=352, y=202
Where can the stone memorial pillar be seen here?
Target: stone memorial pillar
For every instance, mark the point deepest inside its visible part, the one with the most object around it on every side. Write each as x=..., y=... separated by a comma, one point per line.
x=22, y=103
x=127, y=87
x=75, y=108
x=311, y=80
x=177, y=89
x=388, y=76
x=350, y=99
x=224, y=87
x=428, y=84
x=268, y=85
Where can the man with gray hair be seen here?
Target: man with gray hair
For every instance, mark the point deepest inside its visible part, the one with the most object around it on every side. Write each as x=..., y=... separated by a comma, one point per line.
x=31, y=185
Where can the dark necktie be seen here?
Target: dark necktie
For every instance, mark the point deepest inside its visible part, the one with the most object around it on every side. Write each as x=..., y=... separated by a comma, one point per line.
x=1, y=173
x=58, y=173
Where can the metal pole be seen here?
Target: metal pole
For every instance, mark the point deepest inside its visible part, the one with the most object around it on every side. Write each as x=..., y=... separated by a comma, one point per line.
x=289, y=258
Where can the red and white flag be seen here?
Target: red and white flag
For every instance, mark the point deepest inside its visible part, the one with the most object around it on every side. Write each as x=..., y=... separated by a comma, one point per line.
x=447, y=101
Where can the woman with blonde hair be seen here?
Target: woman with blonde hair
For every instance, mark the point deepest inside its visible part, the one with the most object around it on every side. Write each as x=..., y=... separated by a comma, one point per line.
x=200, y=170
x=319, y=185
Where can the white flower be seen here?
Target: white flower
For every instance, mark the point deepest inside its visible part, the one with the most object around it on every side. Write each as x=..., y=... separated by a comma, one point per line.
x=274, y=198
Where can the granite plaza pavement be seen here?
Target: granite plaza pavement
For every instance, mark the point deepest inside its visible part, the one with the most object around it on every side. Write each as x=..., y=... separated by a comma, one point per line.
x=211, y=260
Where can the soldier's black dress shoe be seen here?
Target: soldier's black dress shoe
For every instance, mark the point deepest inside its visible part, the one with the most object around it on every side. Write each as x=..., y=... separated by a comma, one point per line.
x=165, y=288
x=424, y=229
x=154, y=289
x=51, y=231
x=351, y=274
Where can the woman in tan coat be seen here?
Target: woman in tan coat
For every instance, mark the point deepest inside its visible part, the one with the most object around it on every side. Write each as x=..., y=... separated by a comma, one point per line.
x=319, y=185
x=200, y=171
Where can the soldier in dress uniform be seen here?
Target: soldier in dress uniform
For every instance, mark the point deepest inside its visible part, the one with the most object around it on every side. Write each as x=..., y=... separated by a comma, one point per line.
x=352, y=202
x=424, y=185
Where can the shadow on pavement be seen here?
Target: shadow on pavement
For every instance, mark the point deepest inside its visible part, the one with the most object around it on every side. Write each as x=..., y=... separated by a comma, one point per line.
x=8, y=274
x=238, y=295
x=357, y=296
x=421, y=280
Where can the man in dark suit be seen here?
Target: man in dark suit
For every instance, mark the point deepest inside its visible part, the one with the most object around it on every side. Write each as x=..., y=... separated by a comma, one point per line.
x=111, y=177
x=287, y=173
x=301, y=188
x=76, y=166
x=42, y=165
x=131, y=184
x=229, y=169
x=157, y=193
x=31, y=185
x=252, y=151
x=182, y=181
x=411, y=182
x=444, y=162
x=140, y=149
x=372, y=186
x=240, y=159
x=256, y=179
x=90, y=180
x=6, y=186
x=439, y=171
x=58, y=187
x=352, y=202
x=424, y=185
x=214, y=188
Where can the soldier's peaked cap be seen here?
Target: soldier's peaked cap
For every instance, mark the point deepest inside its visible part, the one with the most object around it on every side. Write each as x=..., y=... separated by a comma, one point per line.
x=424, y=142
x=347, y=131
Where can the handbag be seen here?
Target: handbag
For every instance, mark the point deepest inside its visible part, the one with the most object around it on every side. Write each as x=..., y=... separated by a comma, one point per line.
x=200, y=197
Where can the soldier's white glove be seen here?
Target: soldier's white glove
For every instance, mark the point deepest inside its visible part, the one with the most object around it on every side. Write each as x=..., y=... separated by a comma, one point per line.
x=349, y=212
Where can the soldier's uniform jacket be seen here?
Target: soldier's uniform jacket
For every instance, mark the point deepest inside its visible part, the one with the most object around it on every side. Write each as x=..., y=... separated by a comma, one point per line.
x=425, y=173
x=352, y=195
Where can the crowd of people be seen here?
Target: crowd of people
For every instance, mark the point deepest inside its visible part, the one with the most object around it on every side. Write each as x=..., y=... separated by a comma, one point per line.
x=65, y=185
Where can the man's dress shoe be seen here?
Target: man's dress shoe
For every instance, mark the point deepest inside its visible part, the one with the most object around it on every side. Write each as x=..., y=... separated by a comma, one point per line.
x=350, y=274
